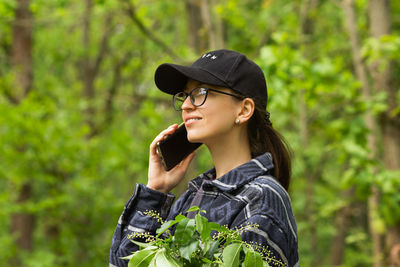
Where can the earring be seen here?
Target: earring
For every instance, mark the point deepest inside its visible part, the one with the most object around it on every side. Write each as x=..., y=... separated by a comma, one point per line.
x=237, y=121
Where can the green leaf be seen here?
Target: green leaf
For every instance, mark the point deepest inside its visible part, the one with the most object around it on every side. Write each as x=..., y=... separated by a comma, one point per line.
x=153, y=262
x=194, y=208
x=184, y=231
x=187, y=250
x=210, y=248
x=206, y=260
x=164, y=227
x=142, y=258
x=203, y=227
x=231, y=255
x=149, y=248
x=165, y=260
x=252, y=259
x=168, y=224
x=128, y=257
x=179, y=218
x=142, y=244
x=219, y=228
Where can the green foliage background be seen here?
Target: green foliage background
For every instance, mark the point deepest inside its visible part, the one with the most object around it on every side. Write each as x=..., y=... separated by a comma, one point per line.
x=82, y=181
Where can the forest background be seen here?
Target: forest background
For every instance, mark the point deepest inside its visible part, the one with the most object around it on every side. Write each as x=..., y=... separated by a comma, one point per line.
x=79, y=109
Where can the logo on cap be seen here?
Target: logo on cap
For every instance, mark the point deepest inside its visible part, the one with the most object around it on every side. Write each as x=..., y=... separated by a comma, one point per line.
x=209, y=55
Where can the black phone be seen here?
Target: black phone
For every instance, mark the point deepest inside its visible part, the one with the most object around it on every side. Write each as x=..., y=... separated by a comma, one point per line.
x=175, y=147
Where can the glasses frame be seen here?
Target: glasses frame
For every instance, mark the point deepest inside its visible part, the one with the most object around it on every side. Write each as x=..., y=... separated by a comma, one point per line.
x=190, y=95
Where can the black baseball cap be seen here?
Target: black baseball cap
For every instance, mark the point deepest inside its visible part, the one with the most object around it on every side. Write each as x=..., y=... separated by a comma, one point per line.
x=224, y=68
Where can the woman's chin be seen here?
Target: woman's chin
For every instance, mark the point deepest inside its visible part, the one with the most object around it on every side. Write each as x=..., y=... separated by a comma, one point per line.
x=193, y=138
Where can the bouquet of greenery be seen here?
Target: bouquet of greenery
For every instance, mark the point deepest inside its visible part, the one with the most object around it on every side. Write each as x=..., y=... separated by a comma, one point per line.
x=197, y=242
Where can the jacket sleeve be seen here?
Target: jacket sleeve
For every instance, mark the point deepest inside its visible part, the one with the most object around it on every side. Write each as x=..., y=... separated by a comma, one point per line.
x=134, y=218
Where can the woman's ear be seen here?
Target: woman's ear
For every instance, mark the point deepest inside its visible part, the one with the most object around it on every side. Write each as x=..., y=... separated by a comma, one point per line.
x=247, y=108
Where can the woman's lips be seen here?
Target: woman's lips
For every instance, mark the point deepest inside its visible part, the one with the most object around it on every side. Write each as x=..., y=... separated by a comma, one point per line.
x=191, y=121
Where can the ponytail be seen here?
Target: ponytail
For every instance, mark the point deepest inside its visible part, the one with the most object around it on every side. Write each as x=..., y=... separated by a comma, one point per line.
x=263, y=138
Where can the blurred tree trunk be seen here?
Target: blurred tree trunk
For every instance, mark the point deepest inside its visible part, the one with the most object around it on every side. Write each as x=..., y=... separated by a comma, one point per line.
x=362, y=76
x=196, y=40
x=22, y=223
x=305, y=31
x=87, y=72
x=211, y=27
x=113, y=90
x=90, y=67
x=21, y=56
x=205, y=29
x=219, y=27
x=380, y=25
x=342, y=223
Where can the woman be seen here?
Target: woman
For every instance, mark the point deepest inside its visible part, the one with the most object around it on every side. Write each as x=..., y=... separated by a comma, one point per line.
x=223, y=99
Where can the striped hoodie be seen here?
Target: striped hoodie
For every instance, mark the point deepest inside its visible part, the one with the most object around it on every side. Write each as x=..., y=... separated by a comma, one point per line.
x=246, y=194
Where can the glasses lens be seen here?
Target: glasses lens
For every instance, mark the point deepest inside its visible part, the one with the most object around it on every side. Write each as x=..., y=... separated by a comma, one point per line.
x=198, y=96
x=179, y=98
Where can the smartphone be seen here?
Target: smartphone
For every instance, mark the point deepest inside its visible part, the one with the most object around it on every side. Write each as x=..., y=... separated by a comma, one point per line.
x=175, y=147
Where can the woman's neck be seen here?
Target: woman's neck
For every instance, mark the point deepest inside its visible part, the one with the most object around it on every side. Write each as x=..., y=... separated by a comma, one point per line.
x=230, y=152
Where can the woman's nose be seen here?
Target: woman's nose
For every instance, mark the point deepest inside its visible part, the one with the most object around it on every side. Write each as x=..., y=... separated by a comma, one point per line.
x=187, y=104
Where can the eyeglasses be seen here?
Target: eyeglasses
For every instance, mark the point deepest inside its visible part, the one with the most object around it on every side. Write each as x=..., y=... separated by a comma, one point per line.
x=197, y=96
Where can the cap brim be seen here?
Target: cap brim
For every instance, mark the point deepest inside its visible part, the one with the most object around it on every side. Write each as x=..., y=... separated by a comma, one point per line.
x=172, y=78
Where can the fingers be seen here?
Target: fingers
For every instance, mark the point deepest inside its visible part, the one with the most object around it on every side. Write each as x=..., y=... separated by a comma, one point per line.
x=184, y=164
x=161, y=136
x=188, y=159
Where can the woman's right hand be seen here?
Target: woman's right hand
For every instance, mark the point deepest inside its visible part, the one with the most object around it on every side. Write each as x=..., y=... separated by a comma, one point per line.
x=158, y=178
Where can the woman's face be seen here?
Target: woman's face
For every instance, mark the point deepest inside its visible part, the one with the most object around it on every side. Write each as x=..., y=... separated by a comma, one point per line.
x=212, y=121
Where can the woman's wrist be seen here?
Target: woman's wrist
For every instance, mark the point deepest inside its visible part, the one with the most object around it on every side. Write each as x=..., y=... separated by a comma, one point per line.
x=157, y=188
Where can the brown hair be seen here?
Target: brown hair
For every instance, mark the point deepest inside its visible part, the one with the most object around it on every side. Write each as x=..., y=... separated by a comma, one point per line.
x=263, y=138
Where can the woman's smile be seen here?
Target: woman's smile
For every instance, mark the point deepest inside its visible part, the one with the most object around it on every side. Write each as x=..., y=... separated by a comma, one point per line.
x=189, y=120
